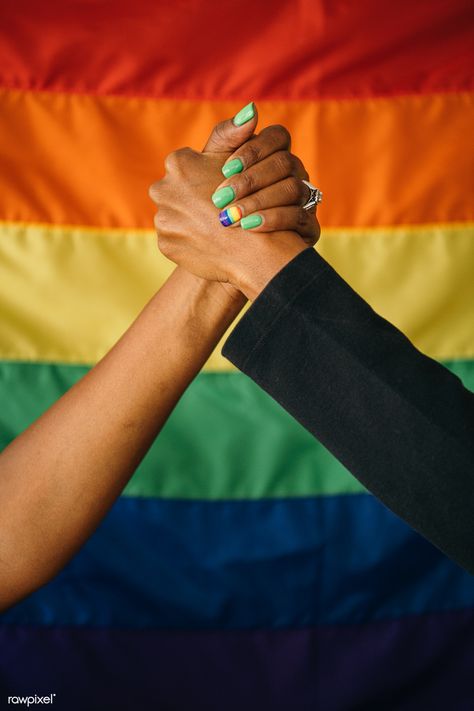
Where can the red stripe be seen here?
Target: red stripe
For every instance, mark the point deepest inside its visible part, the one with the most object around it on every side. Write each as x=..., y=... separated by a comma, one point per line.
x=239, y=49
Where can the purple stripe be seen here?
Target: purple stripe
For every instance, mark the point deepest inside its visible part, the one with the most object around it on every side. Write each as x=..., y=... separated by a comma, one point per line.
x=225, y=218
x=422, y=662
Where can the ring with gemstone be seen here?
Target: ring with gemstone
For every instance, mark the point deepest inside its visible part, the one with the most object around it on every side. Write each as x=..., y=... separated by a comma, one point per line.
x=315, y=196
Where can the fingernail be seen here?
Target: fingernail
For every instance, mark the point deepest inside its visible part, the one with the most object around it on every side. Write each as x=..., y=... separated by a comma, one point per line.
x=245, y=114
x=223, y=197
x=230, y=216
x=232, y=167
x=251, y=221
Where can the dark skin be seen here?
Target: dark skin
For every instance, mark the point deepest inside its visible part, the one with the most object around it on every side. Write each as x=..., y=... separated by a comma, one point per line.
x=246, y=260
x=59, y=478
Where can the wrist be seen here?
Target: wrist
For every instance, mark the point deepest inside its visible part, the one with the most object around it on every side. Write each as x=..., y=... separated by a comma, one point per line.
x=257, y=267
x=209, y=301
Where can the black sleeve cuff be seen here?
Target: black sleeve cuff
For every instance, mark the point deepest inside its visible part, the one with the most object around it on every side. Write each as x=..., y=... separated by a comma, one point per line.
x=271, y=304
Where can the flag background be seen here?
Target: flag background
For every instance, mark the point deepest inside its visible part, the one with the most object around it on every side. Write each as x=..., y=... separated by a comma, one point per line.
x=243, y=566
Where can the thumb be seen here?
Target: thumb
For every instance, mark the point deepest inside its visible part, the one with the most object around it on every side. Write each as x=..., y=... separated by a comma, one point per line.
x=231, y=134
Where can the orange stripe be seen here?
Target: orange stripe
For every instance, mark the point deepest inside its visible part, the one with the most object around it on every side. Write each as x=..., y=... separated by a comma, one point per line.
x=89, y=160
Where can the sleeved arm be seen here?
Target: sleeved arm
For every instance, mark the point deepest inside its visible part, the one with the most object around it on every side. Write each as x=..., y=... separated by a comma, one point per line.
x=398, y=420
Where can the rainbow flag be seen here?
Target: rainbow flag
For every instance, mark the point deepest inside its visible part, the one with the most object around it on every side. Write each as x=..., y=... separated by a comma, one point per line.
x=243, y=567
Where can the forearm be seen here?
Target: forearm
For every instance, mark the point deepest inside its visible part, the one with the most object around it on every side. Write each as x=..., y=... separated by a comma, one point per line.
x=400, y=422
x=58, y=478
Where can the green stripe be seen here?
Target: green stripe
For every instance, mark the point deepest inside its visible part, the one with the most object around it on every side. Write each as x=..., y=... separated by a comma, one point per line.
x=226, y=438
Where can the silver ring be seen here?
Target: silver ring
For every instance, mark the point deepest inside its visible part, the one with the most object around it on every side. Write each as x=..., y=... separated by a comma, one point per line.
x=315, y=196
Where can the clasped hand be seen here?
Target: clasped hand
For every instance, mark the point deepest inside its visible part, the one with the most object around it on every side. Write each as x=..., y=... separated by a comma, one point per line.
x=263, y=200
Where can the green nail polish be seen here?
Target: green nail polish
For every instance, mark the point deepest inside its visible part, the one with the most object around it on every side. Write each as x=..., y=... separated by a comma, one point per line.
x=223, y=197
x=251, y=221
x=232, y=167
x=245, y=114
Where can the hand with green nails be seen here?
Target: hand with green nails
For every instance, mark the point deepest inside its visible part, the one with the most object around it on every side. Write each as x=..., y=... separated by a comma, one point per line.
x=263, y=187
x=245, y=228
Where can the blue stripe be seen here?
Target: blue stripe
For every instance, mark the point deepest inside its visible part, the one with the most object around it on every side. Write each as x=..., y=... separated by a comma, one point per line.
x=269, y=563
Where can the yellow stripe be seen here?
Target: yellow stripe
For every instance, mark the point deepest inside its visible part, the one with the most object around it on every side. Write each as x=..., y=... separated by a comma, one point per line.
x=418, y=278
x=67, y=293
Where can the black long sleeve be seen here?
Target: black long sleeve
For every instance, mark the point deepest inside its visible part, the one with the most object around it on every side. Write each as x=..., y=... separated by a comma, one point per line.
x=398, y=420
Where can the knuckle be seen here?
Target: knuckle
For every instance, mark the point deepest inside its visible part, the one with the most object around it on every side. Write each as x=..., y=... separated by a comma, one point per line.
x=294, y=190
x=154, y=191
x=184, y=154
x=253, y=204
x=220, y=131
x=171, y=161
x=303, y=191
x=301, y=217
x=272, y=220
x=161, y=240
x=165, y=243
x=313, y=229
x=251, y=154
x=246, y=183
x=281, y=134
x=163, y=221
x=176, y=161
x=284, y=162
x=160, y=222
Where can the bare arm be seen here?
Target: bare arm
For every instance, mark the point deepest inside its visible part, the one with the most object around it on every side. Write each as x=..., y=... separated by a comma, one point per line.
x=59, y=478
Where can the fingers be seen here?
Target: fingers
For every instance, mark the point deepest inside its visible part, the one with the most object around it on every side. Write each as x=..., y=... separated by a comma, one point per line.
x=291, y=218
x=276, y=167
x=269, y=140
x=290, y=191
x=232, y=133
